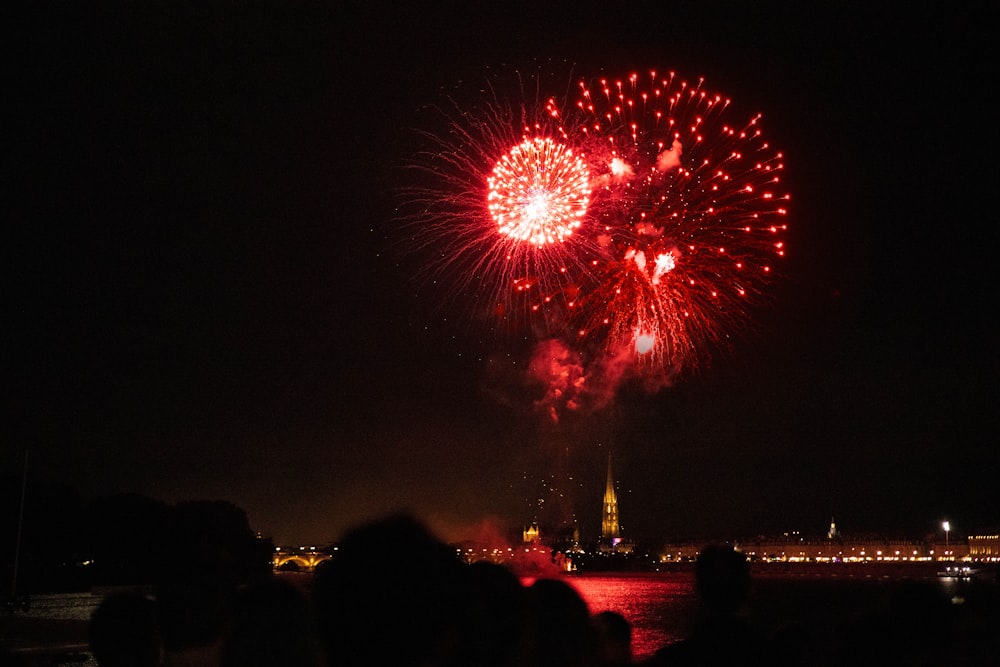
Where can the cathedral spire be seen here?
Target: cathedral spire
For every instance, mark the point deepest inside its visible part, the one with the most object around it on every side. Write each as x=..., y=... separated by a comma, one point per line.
x=609, y=523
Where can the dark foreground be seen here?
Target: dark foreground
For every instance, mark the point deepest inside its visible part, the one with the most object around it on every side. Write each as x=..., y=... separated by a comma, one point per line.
x=39, y=642
x=819, y=600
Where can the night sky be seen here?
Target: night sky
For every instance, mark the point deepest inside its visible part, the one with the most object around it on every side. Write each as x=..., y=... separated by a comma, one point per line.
x=209, y=294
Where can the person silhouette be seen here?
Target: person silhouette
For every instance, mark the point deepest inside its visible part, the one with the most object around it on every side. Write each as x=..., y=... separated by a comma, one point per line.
x=722, y=635
x=614, y=635
x=559, y=631
x=272, y=625
x=194, y=607
x=123, y=631
x=391, y=595
x=492, y=625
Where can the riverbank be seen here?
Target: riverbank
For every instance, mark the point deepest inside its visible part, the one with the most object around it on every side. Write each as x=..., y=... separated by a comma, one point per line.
x=878, y=569
x=985, y=572
x=30, y=641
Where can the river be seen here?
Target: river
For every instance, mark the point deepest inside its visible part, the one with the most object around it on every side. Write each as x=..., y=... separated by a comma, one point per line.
x=820, y=602
x=661, y=606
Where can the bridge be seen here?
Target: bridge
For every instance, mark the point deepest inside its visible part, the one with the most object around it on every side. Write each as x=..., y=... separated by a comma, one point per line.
x=298, y=559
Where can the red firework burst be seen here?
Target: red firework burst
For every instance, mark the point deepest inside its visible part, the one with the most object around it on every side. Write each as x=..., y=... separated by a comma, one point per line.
x=538, y=192
x=689, y=225
x=642, y=216
x=509, y=190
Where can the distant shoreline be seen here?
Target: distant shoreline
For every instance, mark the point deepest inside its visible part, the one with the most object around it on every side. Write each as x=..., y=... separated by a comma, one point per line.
x=989, y=572
x=867, y=569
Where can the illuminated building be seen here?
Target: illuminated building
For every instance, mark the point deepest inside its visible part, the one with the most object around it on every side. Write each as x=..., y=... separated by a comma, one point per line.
x=611, y=533
x=610, y=529
x=984, y=547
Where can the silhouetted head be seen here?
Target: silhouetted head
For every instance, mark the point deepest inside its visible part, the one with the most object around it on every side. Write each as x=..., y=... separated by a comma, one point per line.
x=194, y=601
x=493, y=618
x=388, y=596
x=272, y=626
x=614, y=633
x=722, y=576
x=560, y=631
x=124, y=632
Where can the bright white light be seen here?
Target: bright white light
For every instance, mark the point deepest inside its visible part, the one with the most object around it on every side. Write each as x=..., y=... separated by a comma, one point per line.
x=665, y=263
x=620, y=169
x=644, y=342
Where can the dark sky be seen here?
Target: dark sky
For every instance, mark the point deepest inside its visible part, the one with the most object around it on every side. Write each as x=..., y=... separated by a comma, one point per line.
x=207, y=298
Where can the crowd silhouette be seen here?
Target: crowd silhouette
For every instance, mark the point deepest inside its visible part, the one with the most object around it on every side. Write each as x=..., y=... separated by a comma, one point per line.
x=394, y=594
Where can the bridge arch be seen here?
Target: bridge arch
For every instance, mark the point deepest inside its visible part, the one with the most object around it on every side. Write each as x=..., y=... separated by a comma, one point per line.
x=298, y=560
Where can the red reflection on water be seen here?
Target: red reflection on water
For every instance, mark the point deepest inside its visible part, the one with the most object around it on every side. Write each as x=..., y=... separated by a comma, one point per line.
x=660, y=607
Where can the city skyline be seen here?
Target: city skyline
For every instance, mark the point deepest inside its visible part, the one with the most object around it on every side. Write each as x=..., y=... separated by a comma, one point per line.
x=213, y=296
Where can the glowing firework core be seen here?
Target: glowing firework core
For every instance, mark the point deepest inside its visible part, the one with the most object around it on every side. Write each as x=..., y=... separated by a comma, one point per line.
x=539, y=192
x=644, y=342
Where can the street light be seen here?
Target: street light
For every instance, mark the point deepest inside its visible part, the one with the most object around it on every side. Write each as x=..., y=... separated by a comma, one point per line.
x=947, y=528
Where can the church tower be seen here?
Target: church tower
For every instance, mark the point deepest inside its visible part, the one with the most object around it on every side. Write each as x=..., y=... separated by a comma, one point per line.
x=610, y=529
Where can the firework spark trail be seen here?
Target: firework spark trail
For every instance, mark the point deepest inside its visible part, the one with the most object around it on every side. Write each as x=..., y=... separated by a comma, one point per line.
x=637, y=222
x=690, y=232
